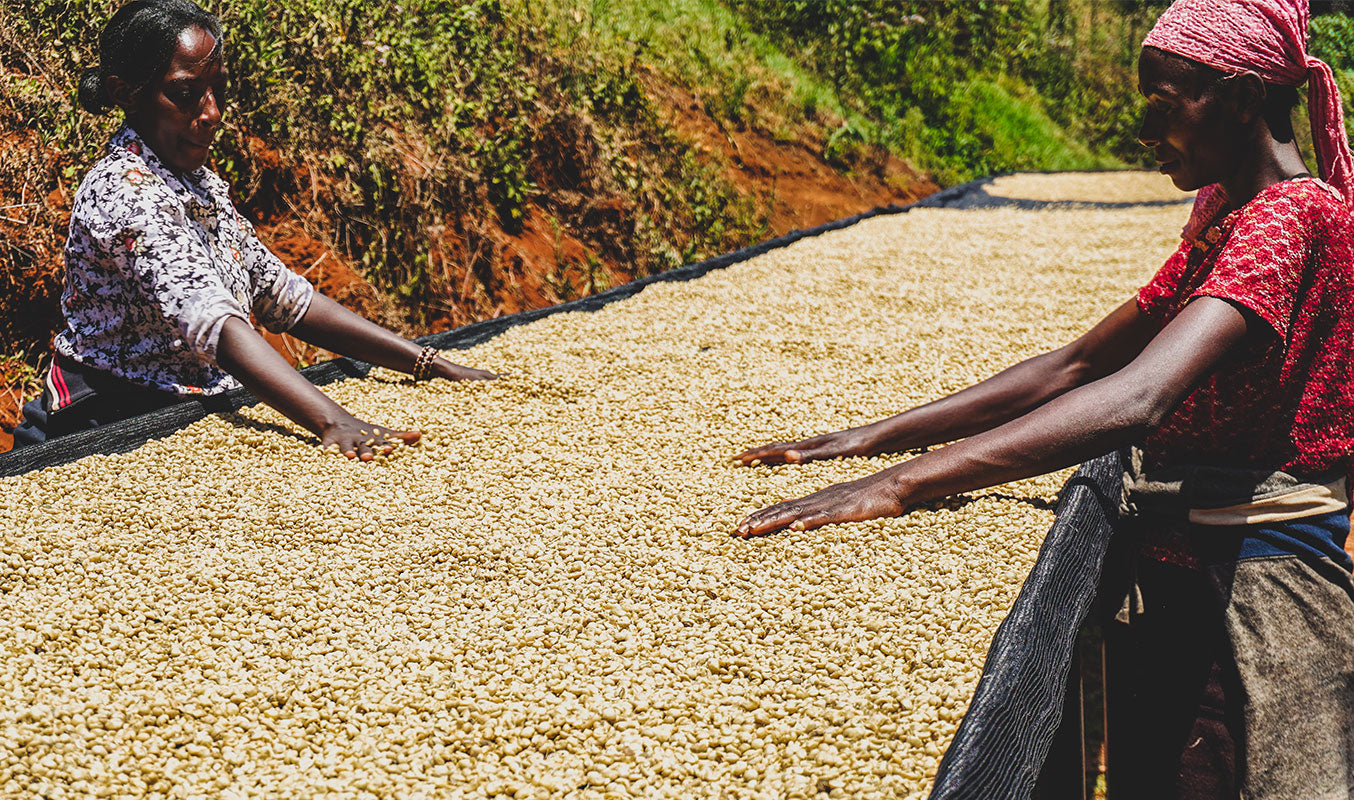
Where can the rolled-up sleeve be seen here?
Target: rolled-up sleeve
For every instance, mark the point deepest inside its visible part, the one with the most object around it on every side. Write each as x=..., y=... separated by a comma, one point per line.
x=281, y=297
x=143, y=227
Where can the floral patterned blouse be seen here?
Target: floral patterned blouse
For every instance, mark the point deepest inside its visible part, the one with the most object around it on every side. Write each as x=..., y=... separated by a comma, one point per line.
x=155, y=264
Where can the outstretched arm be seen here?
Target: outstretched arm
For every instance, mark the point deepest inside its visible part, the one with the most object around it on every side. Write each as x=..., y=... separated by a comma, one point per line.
x=331, y=326
x=1009, y=394
x=243, y=353
x=1079, y=424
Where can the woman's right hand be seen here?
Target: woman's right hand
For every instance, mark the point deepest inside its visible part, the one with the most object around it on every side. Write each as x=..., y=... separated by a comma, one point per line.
x=362, y=440
x=842, y=444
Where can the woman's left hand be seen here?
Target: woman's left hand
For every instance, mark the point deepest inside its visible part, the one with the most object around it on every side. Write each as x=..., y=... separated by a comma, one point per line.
x=868, y=498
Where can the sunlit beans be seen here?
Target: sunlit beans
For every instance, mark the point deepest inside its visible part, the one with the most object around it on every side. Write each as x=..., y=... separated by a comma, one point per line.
x=543, y=598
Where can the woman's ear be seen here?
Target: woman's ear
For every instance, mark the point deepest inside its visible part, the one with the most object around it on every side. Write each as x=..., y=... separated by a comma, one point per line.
x=121, y=93
x=1248, y=94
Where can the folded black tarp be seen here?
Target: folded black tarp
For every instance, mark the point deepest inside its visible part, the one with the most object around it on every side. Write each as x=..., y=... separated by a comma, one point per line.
x=998, y=753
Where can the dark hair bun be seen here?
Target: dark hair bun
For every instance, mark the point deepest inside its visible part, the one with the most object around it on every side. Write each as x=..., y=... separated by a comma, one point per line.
x=92, y=93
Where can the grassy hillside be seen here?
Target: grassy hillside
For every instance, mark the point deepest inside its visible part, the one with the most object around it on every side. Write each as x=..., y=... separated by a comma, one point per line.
x=408, y=137
x=971, y=88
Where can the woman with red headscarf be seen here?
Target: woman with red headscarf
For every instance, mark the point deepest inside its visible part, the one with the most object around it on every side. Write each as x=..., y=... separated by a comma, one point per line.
x=1233, y=651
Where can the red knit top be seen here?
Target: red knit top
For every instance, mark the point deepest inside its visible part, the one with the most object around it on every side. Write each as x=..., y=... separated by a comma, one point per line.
x=1287, y=401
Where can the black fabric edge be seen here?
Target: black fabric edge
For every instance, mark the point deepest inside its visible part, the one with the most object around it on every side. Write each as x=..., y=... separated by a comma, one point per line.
x=129, y=434
x=1003, y=740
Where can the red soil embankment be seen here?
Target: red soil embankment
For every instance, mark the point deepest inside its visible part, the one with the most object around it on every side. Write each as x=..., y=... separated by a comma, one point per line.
x=801, y=188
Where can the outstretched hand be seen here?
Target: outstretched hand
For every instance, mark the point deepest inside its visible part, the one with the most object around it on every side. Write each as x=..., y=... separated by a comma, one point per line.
x=868, y=498
x=851, y=442
x=363, y=441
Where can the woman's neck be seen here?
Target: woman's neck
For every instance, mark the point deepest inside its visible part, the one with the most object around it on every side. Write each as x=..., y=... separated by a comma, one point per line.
x=1271, y=162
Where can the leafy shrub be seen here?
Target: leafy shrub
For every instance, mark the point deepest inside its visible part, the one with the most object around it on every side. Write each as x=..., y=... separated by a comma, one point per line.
x=1332, y=40
x=936, y=78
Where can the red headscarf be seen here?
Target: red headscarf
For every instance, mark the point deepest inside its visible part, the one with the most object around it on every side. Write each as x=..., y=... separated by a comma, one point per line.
x=1268, y=37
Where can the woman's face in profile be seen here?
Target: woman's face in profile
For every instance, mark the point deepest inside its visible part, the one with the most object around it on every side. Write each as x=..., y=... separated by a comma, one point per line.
x=179, y=113
x=1194, y=135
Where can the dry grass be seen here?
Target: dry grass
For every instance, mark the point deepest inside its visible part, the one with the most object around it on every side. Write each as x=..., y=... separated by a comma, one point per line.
x=544, y=599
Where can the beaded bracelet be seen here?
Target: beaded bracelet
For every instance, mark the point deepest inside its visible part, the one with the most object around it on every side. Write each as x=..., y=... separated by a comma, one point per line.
x=423, y=365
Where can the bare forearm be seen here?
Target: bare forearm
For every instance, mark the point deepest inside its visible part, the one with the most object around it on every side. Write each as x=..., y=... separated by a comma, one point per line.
x=1006, y=396
x=1009, y=394
x=1084, y=422
x=986, y=405
x=1067, y=430
x=1090, y=420
x=331, y=326
x=1109, y=346
x=246, y=356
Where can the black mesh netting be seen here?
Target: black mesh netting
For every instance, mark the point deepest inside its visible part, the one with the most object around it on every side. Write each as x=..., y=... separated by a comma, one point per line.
x=1000, y=747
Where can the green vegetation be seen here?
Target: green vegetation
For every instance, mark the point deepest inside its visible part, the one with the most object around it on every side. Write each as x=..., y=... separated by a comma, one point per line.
x=416, y=121
x=423, y=111
x=1332, y=41
x=971, y=88
x=930, y=82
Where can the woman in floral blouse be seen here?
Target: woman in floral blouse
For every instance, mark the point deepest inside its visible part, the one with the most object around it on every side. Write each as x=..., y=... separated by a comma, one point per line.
x=162, y=272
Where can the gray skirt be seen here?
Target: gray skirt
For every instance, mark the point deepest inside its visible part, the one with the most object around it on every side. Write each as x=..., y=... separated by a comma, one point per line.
x=1232, y=677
